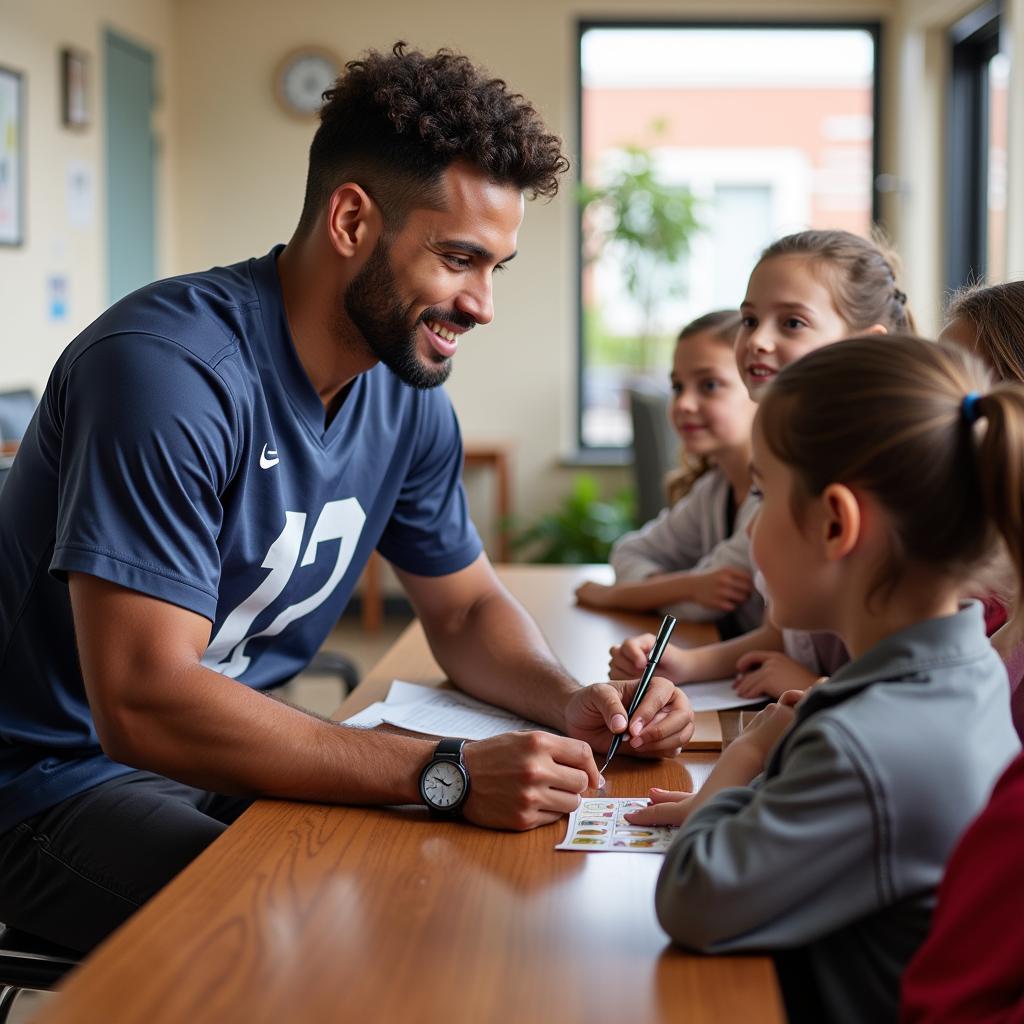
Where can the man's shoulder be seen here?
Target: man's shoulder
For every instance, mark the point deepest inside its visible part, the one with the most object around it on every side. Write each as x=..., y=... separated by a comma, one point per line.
x=207, y=313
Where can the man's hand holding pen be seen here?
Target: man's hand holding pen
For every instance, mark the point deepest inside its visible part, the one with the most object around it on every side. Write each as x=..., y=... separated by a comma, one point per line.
x=660, y=727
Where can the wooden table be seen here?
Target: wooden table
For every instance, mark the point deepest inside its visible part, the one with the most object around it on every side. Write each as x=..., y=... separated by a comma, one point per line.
x=304, y=912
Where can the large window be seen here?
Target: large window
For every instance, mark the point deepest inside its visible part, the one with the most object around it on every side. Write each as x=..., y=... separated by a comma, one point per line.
x=700, y=145
x=976, y=150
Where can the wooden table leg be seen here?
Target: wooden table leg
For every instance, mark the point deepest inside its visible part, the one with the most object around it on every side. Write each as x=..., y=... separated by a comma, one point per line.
x=372, y=611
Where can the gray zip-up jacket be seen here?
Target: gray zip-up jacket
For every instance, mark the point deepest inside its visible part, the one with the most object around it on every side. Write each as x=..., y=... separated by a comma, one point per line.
x=831, y=858
x=693, y=535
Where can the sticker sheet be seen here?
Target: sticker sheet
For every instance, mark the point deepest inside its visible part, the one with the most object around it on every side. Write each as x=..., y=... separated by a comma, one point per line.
x=600, y=826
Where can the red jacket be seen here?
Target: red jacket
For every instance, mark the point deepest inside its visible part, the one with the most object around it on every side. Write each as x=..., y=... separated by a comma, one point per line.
x=971, y=967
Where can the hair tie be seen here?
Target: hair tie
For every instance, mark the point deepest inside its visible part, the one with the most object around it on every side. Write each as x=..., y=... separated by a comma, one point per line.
x=969, y=406
x=900, y=297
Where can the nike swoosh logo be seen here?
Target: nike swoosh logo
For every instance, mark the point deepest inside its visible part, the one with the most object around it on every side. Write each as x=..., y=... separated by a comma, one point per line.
x=266, y=463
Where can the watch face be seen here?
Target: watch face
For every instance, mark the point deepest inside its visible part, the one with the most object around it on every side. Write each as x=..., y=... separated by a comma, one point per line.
x=443, y=784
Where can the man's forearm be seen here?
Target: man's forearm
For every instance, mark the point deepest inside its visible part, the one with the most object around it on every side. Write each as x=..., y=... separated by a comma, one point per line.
x=498, y=654
x=241, y=742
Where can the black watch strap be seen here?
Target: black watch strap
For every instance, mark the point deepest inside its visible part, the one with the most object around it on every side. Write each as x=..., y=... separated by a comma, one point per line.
x=450, y=747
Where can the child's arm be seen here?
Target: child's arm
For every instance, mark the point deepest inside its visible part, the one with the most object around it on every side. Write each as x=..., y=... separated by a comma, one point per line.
x=741, y=762
x=712, y=661
x=722, y=589
x=771, y=674
x=780, y=864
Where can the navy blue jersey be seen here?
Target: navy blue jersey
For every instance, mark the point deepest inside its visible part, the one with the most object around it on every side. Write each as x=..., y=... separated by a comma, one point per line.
x=180, y=451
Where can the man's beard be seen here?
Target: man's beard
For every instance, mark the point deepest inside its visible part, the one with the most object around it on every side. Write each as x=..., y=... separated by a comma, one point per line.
x=373, y=305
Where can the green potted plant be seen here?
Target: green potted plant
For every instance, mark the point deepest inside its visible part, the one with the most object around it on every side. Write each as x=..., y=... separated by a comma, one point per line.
x=648, y=224
x=582, y=529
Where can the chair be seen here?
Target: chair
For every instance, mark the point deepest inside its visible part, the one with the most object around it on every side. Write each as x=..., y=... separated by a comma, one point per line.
x=16, y=409
x=655, y=448
x=328, y=663
x=29, y=963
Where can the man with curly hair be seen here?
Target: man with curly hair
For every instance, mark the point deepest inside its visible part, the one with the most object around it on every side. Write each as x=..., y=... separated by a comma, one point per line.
x=212, y=463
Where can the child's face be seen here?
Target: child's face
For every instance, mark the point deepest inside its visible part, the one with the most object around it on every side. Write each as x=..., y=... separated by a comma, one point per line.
x=961, y=332
x=788, y=311
x=711, y=410
x=783, y=549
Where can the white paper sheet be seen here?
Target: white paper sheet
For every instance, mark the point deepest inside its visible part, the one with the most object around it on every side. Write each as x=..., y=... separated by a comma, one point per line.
x=400, y=692
x=716, y=695
x=599, y=826
x=435, y=712
x=368, y=718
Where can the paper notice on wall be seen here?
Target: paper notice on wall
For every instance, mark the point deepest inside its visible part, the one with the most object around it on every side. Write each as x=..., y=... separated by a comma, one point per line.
x=81, y=194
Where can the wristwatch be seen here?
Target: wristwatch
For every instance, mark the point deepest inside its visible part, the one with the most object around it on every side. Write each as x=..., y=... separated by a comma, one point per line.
x=444, y=784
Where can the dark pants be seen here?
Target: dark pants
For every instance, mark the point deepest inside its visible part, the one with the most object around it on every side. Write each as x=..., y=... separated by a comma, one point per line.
x=72, y=874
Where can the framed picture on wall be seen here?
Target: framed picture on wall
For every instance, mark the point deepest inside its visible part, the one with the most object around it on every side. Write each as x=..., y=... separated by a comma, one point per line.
x=74, y=74
x=12, y=157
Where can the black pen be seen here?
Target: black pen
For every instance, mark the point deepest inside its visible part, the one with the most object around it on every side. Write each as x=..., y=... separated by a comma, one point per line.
x=667, y=625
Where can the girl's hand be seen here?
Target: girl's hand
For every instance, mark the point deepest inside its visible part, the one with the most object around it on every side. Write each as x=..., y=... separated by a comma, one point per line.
x=666, y=808
x=767, y=727
x=770, y=673
x=595, y=595
x=629, y=658
x=724, y=589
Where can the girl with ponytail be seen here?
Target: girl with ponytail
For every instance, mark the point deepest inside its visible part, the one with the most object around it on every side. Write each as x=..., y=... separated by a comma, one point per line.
x=890, y=468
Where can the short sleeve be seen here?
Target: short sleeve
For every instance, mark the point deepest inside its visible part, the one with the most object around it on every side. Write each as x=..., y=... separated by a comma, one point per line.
x=430, y=532
x=149, y=441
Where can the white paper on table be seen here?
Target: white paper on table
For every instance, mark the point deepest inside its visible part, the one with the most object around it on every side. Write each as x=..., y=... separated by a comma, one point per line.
x=435, y=712
x=716, y=695
x=449, y=714
x=400, y=693
x=599, y=825
x=368, y=718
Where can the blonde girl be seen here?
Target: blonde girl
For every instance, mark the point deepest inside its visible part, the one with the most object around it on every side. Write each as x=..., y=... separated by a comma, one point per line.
x=889, y=469
x=693, y=559
x=807, y=290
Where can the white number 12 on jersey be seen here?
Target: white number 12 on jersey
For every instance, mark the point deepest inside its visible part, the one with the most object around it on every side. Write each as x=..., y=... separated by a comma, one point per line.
x=339, y=520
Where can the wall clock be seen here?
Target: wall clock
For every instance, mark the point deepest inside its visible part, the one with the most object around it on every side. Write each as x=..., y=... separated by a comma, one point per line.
x=301, y=77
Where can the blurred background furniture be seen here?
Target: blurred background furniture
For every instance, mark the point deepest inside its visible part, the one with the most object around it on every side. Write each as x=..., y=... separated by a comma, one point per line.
x=29, y=963
x=16, y=409
x=337, y=666
x=655, y=449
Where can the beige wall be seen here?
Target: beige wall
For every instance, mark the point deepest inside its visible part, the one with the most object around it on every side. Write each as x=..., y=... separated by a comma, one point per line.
x=241, y=174
x=233, y=165
x=32, y=33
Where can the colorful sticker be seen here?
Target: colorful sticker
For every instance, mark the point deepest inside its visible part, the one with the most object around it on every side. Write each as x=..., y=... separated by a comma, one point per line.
x=600, y=825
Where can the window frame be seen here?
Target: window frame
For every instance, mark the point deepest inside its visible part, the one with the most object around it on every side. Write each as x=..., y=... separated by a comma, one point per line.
x=973, y=41
x=614, y=454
